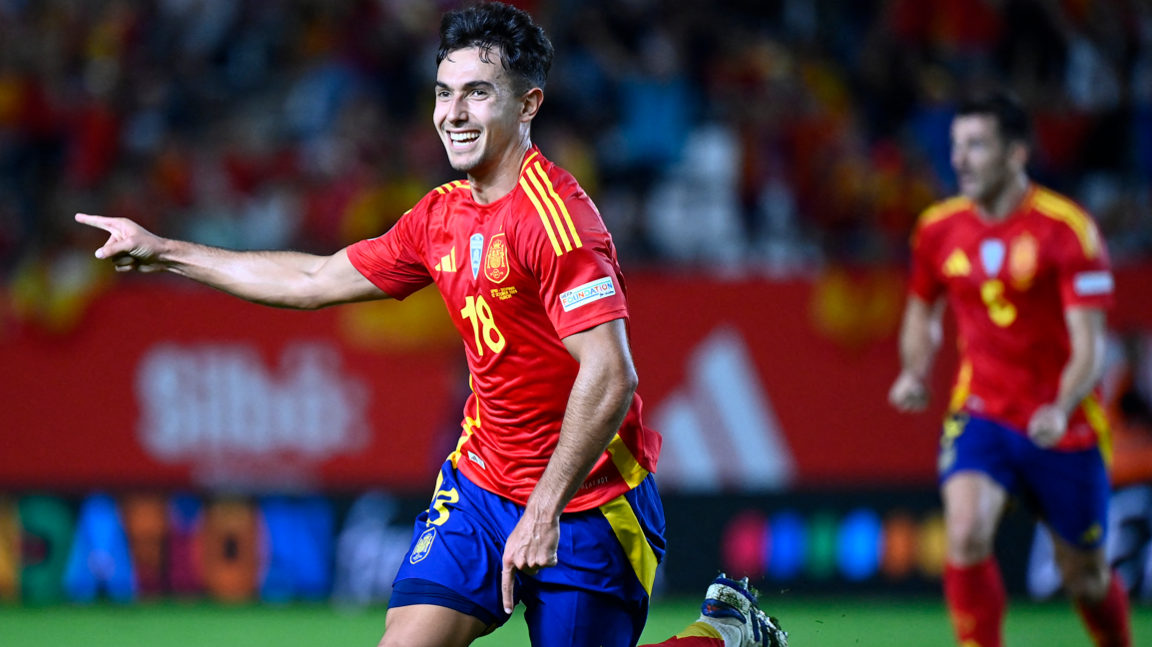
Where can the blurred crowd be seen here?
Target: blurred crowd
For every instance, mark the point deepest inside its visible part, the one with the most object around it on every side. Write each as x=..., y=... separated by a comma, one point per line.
x=776, y=135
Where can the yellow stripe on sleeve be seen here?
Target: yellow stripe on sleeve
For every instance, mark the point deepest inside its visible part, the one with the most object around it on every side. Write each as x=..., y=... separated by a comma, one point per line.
x=543, y=215
x=627, y=528
x=527, y=160
x=625, y=462
x=551, y=209
x=1064, y=210
x=560, y=203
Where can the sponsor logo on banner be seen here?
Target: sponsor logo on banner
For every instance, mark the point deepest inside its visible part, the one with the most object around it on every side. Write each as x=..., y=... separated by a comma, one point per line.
x=423, y=545
x=475, y=249
x=587, y=293
x=1023, y=258
x=719, y=426
x=496, y=261
x=992, y=256
x=219, y=409
x=476, y=459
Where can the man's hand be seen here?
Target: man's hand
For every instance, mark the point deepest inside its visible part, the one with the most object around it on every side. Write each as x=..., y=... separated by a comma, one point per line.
x=909, y=393
x=1048, y=425
x=130, y=246
x=531, y=547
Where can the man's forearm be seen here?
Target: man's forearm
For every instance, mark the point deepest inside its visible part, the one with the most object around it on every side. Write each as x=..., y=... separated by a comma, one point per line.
x=920, y=337
x=275, y=278
x=599, y=401
x=1080, y=374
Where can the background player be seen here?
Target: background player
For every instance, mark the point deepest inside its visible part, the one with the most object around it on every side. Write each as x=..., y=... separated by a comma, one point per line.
x=1027, y=276
x=548, y=497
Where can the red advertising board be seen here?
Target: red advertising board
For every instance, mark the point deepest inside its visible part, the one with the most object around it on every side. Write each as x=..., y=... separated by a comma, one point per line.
x=755, y=385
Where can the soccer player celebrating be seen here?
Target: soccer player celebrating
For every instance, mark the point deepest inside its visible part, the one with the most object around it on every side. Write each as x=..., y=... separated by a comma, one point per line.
x=1027, y=276
x=548, y=497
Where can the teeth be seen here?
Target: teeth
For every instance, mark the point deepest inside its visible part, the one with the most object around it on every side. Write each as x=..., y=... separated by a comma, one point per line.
x=463, y=137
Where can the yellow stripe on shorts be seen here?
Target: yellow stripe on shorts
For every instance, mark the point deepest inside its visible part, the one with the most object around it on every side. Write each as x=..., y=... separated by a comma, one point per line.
x=624, y=523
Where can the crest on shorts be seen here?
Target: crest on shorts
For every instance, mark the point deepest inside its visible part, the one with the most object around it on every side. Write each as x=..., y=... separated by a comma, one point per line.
x=496, y=261
x=1022, y=258
x=423, y=545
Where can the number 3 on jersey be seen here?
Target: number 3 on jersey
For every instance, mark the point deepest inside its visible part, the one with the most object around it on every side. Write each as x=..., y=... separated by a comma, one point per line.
x=477, y=311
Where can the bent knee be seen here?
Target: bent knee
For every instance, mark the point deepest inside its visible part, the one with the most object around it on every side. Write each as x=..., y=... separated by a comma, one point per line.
x=1089, y=584
x=970, y=541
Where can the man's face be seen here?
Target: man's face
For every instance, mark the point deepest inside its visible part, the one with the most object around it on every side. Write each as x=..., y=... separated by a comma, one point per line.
x=477, y=112
x=983, y=161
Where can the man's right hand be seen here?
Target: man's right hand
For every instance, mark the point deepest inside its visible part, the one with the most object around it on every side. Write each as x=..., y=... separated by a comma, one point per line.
x=130, y=246
x=909, y=393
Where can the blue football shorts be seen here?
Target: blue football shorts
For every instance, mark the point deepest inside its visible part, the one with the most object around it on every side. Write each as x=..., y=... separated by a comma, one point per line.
x=597, y=594
x=1069, y=489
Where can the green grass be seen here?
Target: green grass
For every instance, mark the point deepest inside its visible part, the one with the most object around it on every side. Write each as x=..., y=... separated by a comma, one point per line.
x=811, y=623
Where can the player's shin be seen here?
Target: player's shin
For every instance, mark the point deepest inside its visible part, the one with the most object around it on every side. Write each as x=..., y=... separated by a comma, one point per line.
x=976, y=602
x=1107, y=620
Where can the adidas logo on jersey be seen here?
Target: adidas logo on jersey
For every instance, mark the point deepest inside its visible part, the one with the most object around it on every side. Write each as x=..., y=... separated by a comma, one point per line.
x=448, y=263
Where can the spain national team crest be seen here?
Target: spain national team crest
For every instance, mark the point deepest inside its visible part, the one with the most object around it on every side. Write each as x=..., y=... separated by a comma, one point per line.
x=496, y=262
x=423, y=545
x=1022, y=258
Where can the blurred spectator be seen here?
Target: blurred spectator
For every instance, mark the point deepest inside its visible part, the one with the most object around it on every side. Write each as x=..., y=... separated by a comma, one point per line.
x=777, y=135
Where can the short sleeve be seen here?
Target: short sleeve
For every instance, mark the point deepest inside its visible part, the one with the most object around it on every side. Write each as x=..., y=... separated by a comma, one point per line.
x=1084, y=269
x=393, y=262
x=572, y=257
x=924, y=281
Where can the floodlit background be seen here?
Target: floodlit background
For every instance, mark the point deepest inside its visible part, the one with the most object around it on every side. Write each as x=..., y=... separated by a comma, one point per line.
x=760, y=165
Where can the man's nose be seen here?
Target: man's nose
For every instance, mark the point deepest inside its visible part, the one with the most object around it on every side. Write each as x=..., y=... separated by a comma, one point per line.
x=457, y=110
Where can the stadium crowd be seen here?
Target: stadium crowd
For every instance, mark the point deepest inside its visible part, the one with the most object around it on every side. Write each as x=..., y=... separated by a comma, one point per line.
x=773, y=136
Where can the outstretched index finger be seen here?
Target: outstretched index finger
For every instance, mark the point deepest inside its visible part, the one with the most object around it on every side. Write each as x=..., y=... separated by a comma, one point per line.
x=100, y=222
x=507, y=579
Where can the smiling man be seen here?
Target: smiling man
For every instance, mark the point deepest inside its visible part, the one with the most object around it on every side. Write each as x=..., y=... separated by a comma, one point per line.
x=1026, y=273
x=549, y=497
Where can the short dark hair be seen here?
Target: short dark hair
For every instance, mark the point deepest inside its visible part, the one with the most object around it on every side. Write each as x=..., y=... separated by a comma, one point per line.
x=1011, y=118
x=525, y=51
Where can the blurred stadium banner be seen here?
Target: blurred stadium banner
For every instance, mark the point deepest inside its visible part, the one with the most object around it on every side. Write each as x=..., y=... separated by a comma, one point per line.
x=344, y=548
x=757, y=386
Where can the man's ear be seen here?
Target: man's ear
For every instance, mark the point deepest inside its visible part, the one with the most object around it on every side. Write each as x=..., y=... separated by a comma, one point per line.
x=1018, y=153
x=530, y=104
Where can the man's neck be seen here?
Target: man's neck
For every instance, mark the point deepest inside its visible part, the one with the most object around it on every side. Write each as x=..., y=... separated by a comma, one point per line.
x=501, y=177
x=1004, y=203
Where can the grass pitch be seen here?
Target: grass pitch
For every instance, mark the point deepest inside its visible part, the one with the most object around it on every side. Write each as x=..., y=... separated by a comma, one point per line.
x=810, y=623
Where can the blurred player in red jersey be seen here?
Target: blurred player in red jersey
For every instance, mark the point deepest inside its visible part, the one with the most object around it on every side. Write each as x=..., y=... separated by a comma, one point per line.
x=1027, y=276
x=548, y=497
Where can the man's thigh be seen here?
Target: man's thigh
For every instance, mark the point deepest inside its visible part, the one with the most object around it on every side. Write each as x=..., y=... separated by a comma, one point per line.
x=598, y=592
x=422, y=625
x=1071, y=490
x=973, y=444
x=563, y=616
x=454, y=560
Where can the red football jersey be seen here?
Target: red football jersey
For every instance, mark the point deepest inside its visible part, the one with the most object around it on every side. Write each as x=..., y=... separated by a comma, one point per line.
x=518, y=275
x=1009, y=284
